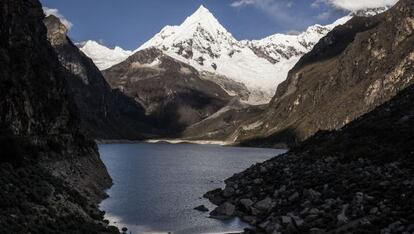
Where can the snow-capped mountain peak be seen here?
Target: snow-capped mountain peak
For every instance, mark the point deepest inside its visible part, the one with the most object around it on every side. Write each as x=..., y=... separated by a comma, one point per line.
x=200, y=30
x=103, y=56
x=202, y=42
x=204, y=19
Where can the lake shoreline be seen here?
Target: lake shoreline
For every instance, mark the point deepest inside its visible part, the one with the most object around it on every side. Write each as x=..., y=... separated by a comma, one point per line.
x=167, y=141
x=166, y=181
x=183, y=141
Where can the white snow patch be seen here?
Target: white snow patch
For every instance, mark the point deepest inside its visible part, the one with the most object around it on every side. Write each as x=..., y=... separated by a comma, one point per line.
x=104, y=57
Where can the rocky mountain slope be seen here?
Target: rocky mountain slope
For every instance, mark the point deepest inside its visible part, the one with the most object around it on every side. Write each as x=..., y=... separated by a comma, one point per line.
x=103, y=56
x=356, y=180
x=51, y=176
x=355, y=68
x=105, y=113
x=172, y=92
x=221, y=125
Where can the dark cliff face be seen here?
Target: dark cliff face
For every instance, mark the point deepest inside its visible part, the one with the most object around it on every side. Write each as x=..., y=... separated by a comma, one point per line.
x=104, y=113
x=170, y=91
x=355, y=68
x=51, y=174
x=34, y=99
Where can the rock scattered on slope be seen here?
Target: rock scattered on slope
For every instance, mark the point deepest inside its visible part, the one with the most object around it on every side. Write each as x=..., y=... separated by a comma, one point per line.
x=359, y=179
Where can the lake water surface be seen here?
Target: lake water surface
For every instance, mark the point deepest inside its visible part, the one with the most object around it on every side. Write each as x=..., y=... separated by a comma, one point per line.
x=156, y=186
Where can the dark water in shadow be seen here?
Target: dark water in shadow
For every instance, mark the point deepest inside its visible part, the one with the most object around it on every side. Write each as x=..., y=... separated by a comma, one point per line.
x=156, y=186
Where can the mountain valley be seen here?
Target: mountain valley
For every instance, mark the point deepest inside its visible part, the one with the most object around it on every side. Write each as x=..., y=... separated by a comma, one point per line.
x=339, y=96
x=249, y=71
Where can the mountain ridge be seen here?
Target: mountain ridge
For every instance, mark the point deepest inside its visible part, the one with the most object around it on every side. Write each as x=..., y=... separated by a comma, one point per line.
x=202, y=42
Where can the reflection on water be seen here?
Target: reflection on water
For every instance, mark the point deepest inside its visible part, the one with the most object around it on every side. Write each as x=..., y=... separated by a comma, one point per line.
x=157, y=186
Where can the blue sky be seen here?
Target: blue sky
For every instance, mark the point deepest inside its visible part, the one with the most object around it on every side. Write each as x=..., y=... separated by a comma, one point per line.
x=129, y=23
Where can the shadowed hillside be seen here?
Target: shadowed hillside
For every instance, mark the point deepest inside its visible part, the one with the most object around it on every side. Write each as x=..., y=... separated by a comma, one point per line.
x=51, y=176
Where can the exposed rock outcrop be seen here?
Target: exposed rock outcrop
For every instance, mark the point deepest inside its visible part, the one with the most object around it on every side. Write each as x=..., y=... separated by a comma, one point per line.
x=51, y=177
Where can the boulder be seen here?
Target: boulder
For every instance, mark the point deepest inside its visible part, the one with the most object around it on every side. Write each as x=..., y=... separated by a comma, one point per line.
x=265, y=204
x=255, y=211
x=246, y=203
x=342, y=219
x=311, y=194
x=298, y=220
x=225, y=210
x=279, y=191
x=201, y=208
x=314, y=211
x=293, y=197
x=263, y=169
x=359, y=197
x=258, y=181
x=286, y=219
x=228, y=192
x=374, y=210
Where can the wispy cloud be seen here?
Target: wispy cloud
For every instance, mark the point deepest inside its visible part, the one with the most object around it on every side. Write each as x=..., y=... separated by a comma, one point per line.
x=354, y=5
x=240, y=3
x=318, y=3
x=55, y=12
x=324, y=15
x=293, y=14
x=276, y=9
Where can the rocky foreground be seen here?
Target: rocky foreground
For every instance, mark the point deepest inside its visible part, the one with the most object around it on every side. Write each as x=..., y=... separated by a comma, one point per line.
x=356, y=180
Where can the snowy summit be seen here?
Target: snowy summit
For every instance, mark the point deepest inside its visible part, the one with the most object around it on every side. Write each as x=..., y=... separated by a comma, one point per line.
x=202, y=42
x=103, y=56
x=261, y=65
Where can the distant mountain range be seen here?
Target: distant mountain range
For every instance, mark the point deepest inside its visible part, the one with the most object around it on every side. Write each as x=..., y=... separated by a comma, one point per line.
x=195, y=79
x=203, y=43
